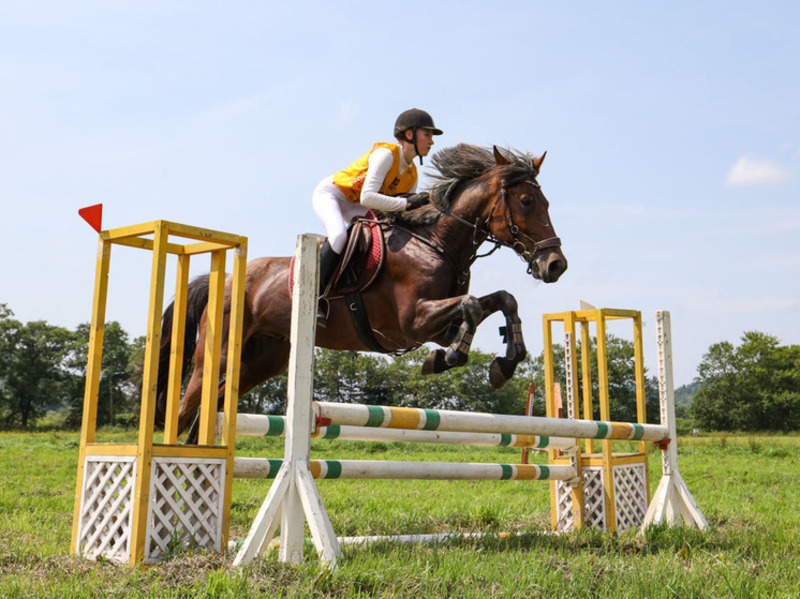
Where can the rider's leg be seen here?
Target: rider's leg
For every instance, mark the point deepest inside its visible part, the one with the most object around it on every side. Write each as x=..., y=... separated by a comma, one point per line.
x=331, y=209
x=328, y=260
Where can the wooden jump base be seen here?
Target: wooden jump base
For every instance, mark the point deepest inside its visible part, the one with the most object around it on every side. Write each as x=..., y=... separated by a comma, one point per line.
x=256, y=425
x=384, y=470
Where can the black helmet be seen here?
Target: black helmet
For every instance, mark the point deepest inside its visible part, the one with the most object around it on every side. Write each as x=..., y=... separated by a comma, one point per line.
x=414, y=119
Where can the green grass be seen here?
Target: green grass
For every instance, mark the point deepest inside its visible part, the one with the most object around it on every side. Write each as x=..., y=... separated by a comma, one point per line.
x=745, y=486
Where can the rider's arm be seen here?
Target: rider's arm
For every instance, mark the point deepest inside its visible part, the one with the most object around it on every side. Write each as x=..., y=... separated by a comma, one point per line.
x=380, y=161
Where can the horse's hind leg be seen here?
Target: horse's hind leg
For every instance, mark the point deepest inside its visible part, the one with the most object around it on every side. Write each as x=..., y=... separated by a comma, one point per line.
x=191, y=397
x=262, y=359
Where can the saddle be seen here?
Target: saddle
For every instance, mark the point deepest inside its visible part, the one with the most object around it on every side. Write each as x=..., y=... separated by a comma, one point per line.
x=359, y=266
x=361, y=260
x=360, y=263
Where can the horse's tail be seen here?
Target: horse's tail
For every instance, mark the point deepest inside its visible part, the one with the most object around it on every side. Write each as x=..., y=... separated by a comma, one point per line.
x=196, y=301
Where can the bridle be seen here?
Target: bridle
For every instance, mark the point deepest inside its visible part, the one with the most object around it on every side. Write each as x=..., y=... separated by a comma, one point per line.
x=482, y=232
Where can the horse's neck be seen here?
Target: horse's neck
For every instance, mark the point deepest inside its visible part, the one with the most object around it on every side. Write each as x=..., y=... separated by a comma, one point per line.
x=458, y=232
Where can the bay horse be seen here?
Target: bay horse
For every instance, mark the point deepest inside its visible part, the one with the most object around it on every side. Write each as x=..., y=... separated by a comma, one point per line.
x=421, y=293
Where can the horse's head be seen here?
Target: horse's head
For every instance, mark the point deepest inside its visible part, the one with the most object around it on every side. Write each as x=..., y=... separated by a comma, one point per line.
x=492, y=196
x=519, y=218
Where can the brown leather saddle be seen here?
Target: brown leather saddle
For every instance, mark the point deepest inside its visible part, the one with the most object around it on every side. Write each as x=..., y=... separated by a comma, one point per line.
x=361, y=260
x=359, y=266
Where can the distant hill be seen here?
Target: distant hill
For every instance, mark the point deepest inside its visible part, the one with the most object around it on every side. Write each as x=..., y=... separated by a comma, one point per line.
x=685, y=394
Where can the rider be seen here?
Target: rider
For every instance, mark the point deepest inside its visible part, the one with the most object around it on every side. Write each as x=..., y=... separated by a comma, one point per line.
x=382, y=179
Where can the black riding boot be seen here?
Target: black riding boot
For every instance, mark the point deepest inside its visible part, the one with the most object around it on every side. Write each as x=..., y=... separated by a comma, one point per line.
x=328, y=261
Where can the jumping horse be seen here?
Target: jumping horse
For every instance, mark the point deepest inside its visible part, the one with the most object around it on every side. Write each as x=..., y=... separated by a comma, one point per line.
x=420, y=295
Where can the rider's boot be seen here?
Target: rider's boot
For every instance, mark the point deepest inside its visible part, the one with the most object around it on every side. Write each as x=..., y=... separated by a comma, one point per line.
x=328, y=260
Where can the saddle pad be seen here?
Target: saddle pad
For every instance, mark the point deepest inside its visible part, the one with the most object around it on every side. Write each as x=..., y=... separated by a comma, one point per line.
x=366, y=267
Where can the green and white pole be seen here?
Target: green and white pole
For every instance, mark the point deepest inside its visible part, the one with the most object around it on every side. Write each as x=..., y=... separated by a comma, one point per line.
x=475, y=422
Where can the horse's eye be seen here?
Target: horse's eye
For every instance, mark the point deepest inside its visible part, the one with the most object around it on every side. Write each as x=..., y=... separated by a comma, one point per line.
x=526, y=201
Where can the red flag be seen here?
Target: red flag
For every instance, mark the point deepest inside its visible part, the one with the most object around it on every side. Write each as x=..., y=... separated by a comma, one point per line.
x=93, y=215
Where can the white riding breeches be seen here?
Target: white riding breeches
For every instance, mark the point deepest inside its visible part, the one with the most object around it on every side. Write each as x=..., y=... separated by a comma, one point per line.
x=335, y=212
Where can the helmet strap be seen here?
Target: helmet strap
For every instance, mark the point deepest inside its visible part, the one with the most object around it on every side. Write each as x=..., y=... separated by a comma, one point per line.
x=416, y=149
x=412, y=141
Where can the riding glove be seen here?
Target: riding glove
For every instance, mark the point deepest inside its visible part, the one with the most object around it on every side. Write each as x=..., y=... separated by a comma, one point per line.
x=415, y=200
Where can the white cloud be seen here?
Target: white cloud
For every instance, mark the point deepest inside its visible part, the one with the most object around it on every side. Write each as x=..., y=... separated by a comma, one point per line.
x=751, y=171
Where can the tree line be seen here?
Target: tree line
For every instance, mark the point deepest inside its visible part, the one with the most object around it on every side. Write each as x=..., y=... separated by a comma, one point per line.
x=43, y=367
x=754, y=386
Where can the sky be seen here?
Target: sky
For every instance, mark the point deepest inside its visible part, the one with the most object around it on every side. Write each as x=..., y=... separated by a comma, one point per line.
x=672, y=133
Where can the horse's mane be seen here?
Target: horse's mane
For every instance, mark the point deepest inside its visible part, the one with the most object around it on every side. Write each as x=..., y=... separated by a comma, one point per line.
x=457, y=167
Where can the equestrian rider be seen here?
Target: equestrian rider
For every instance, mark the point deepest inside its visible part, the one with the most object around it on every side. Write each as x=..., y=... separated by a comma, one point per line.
x=384, y=178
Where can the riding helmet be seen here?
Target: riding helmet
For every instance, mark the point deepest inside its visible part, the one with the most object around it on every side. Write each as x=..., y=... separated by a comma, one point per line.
x=415, y=118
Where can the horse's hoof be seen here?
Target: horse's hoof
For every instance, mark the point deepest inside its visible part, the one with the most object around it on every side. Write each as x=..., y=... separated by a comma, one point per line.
x=454, y=357
x=501, y=371
x=435, y=362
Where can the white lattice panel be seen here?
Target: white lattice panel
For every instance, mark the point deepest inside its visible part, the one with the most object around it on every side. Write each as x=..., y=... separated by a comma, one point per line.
x=594, y=501
x=630, y=498
x=630, y=494
x=564, y=517
x=185, y=508
x=594, y=497
x=106, y=509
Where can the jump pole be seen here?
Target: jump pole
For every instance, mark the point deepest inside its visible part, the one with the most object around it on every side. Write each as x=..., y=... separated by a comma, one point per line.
x=472, y=422
x=257, y=425
x=672, y=501
x=293, y=497
x=393, y=470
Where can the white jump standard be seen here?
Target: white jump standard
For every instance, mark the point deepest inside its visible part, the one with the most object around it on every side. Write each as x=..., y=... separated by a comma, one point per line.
x=672, y=502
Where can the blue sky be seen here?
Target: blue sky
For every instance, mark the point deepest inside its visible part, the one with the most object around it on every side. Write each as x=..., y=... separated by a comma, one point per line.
x=672, y=132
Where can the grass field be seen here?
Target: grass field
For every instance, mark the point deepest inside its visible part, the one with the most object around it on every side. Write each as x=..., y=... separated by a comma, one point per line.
x=745, y=486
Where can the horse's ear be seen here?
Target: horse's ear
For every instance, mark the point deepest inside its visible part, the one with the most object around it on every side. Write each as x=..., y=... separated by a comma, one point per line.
x=537, y=162
x=499, y=159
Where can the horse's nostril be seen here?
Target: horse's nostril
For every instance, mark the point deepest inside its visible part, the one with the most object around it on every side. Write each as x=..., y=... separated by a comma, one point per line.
x=555, y=269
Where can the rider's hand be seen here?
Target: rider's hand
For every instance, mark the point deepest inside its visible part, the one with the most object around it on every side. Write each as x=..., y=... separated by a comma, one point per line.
x=415, y=200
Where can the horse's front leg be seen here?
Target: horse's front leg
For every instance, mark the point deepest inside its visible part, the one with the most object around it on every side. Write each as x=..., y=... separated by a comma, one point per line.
x=434, y=320
x=502, y=368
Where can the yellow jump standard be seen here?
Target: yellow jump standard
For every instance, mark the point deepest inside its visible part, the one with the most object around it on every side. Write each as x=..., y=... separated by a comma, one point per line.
x=613, y=491
x=132, y=500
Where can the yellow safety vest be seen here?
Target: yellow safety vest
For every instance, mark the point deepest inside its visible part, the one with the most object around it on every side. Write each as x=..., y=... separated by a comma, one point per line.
x=351, y=179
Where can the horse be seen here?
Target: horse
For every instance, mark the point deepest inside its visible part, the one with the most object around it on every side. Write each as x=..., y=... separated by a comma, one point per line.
x=420, y=295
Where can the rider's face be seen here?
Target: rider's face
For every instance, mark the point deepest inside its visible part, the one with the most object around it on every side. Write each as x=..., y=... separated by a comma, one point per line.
x=424, y=141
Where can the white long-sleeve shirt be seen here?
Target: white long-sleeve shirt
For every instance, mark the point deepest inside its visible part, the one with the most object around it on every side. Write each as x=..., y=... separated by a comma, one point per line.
x=380, y=161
